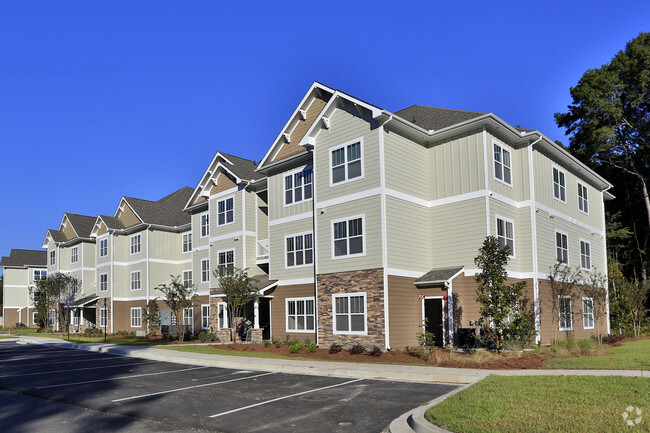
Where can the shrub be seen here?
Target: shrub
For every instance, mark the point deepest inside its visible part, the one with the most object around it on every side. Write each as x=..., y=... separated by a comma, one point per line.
x=277, y=343
x=335, y=348
x=296, y=347
x=311, y=347
x=587, y=347
x=206, y=337
x=376, y=351
x=612, y=338
x=357, y=349
x=89, y=332
x=267, y=343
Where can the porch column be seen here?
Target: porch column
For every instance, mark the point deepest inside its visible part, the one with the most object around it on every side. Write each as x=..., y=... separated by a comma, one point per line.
x=256, y=315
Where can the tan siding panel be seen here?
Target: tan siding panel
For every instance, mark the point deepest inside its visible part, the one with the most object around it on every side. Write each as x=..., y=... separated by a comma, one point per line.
x=300, y=130
x=278, y=310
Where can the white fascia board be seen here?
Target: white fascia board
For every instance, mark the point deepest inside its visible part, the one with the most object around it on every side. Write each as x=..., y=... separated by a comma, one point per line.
x=306, y=99
x=47, y=240
x=98, y=223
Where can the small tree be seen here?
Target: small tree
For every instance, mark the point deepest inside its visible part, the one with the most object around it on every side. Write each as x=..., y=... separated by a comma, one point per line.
x=178, y=297
x=634, y=295
x=499, y=301
x=563, y=280
x=596, y=290
x=238, y=291
x=152, y=316
x=58, y=289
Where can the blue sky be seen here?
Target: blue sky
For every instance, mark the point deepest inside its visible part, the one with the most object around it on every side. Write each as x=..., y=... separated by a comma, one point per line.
x=100, y=100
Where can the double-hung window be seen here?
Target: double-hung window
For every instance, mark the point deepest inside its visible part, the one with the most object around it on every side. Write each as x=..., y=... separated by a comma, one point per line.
x=135, y=244
x=188, y=318
x=103, y=248
x=51, y=318
x=348, y=237
x=103, y=282
x=350, y=313
x=559, y=185
x=506, y=234
x=205, y=270
x=74, y=255
x=136, y=282
x=588, y=313
x=187, y=242
x=187, y=278
x=225, y=211
x=136, y=317
x=300, y=250
x=502, y=164
x=585, y=255
x=74, y=317
x=205, y=316
x=298, y=187
x=226, y=262
x=205, y=225
x=102, y=317
x=562, y=247
x=300, y=315
x=52, y=258
x=583, y=198
x=222, y=316
x=566, y=315
x=346, y=162
x=39, y=274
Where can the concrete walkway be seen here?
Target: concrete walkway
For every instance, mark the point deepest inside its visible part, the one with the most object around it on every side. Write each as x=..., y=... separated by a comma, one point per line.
x=412, y=421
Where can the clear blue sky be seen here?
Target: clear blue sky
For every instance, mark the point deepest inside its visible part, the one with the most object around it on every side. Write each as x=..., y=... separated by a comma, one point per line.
x=100, y=100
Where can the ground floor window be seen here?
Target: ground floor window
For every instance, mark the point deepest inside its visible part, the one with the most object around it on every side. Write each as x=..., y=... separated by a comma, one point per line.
x=300, y=314
x=223, y=321
x=566, y=315
x=188, y=318
x=102, y=318
x=205, y=316
x=136, y=317
x=51, y=318
x=34, y=318
x=588, y=313
x=74, y=316
x=350, y=313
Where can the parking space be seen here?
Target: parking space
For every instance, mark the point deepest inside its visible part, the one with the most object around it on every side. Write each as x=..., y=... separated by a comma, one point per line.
x=207, y=398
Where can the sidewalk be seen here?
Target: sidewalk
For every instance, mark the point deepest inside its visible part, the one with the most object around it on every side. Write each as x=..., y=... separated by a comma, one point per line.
x=412, y=373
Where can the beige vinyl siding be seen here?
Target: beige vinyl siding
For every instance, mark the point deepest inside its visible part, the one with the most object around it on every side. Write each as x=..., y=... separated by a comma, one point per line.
x=251, y=257
x=520, y=189
x=405, y=314
x=160, y=273
x=523, y=260
x=278, y=270
x=544, y=192
x=407, y=175
x=99, y=261
x=197, y=240
x=408, y=232
x=234, y=226
x=143, y=248
x=301, y=129
x=123, y=281
x=278, y=310
x=250, y=198
x=346, y=128
x=17, y=296
x=225, y=245
x=64, y=259
x=164, y=245
x=100, y=271
x=128, y=217
x=262, y=219
x=372, y=259
x=277, y=209
x=89, y=281
x=458, y=231
x=122, y=246
x=196, y=269
x=456, y=165
x=88, y=254
x=224, y=183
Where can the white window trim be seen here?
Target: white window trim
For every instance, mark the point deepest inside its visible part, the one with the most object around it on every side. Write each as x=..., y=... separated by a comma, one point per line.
x=365, y=313
x=284, y=191
x=496, y=233
x=34, y=314
x=52, y=258
x=286, y=315
x=234, y=216
x=74, y=317
x=103, y=321
x=234, y=258
x=183, y=276
x=201, y=215
x=139, y=309
x=568, y=249
x=208, y=271
x=580, y=184
x=100, y=282
x=226, y=318
x=580, y=241
x=362, y=160
x=189, y=250
x=139, y=280
x=566, y=181
x=74, y=254
x=304, y=265
x=494, y=172
x=103, y=252
x=593, y=316
x=559, y=312
x=203, y=316
x=189, y=310
x=138, y=244
x=363, y=236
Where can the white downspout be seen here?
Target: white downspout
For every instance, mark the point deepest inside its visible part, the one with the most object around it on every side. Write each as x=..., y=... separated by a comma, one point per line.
x=533, y=222
x=112, y=278
x=384, y=244
x=487, y=182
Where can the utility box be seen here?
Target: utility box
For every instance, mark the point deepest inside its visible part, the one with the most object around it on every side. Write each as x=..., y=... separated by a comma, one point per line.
x=168, y=323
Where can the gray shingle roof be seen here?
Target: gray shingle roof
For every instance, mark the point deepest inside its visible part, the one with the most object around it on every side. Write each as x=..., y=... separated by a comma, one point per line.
x=82, y=224
x=57, y=235
x=243, y=168
x=435, y=118
x=112, y=222
x=168, y=211
x=85, y=301
x=19, y=257
x=437, y=276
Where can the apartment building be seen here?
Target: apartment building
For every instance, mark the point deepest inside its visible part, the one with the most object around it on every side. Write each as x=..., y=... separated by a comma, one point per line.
x=138, y=248
x=71, y=250
x=230, y=230
x=21, y=269
x=375, y=218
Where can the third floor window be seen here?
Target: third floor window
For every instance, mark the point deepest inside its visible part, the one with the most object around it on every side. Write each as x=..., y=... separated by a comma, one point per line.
x=135, y=244
x=346, y=163
x=298, y=187
x=502, y=164
x=225, y=211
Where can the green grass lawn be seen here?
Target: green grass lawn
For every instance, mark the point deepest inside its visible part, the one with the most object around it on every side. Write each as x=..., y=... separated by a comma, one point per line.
x=633, y=355
x=545, y=404
x=75, y=338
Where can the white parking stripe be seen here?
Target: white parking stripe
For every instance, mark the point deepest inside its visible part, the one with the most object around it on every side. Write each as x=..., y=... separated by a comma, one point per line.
x=190, y=387
x=119, y=378
x=283, y=398
x=77, y=369
x=87, y=359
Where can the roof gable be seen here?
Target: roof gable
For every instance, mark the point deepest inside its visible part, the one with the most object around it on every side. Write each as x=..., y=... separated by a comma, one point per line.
x=167, y=211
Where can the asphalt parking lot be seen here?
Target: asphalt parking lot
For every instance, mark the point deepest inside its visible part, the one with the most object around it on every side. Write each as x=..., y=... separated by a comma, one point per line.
x=56, y=389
